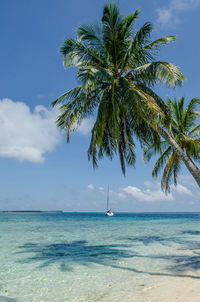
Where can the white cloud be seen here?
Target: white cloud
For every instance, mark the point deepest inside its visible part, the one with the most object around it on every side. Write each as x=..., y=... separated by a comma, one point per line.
x=182, y=190
x=91, y=186
x=164, y=15
x=170, y=15
x=101, y=189
x=86, y=126
x=147, y=194
x=184, y=4
x=27, y=135
x=153, y=192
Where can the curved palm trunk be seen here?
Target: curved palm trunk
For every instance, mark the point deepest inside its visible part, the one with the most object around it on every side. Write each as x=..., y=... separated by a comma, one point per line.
x=194, y=170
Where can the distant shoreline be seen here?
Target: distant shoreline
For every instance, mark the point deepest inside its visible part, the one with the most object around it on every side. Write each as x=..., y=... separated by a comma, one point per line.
x=36, y=211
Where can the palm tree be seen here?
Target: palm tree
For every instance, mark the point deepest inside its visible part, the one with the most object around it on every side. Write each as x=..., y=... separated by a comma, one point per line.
x=186, y=133
x=116, y=71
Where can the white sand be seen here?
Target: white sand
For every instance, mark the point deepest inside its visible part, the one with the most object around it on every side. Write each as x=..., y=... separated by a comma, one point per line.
x=172, y=289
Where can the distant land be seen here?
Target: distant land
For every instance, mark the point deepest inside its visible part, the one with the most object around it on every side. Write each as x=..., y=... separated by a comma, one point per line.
x=36, y=211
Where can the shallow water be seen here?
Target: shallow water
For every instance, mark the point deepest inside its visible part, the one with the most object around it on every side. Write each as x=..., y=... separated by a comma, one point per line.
x=89, y=257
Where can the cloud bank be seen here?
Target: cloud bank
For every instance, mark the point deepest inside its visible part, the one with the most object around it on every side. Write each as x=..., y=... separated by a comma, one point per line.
x=147, y=194
x=151, y=192
x=27, y=135
x=154, y=193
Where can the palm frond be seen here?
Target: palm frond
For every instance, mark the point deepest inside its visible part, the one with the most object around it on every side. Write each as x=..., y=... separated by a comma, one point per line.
x=155, y=45
x=127, y=23
x=135, y=53
x=162, y=72
x=77, y=54
x=151, y=150
x=161, y=161
x=168, y=174
x=195, y=132
x=76, y=110
x=91, y=35
x=143, y=34
x=191, y=113
x=72, y=93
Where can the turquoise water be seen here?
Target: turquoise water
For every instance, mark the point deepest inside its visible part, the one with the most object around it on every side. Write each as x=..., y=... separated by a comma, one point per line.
x=90, y=257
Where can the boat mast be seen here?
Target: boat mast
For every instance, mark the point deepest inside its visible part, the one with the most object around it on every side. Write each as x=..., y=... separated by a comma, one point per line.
x=108, y=199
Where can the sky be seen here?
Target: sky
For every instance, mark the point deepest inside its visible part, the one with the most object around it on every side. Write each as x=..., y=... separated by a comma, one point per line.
x=39, y=170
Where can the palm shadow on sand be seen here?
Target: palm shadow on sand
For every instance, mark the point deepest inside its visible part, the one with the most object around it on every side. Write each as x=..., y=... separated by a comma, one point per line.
x=148, y=240
x=82, y=253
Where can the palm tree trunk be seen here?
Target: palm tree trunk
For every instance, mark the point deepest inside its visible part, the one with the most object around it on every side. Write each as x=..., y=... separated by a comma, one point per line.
x=194, y=170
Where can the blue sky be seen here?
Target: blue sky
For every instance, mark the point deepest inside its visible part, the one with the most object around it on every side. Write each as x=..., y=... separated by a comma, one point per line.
x=39, y=170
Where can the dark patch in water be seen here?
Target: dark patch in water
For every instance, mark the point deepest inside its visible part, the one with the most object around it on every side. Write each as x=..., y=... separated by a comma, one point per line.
x=147, y=240
x=7, y=299
x=191, y=232
x=74, y=252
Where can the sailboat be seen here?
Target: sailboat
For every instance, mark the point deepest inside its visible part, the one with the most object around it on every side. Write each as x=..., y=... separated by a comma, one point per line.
x=109, y=212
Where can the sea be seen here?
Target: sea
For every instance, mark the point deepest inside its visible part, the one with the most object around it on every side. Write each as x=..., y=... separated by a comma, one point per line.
x=88, y=257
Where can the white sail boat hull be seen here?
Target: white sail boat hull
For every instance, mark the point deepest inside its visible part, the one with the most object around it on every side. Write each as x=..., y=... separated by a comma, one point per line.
x=109, y=212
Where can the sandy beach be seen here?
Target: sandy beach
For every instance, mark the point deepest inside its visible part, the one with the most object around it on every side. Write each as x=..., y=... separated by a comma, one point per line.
x=171, y=290
x=167, y=289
